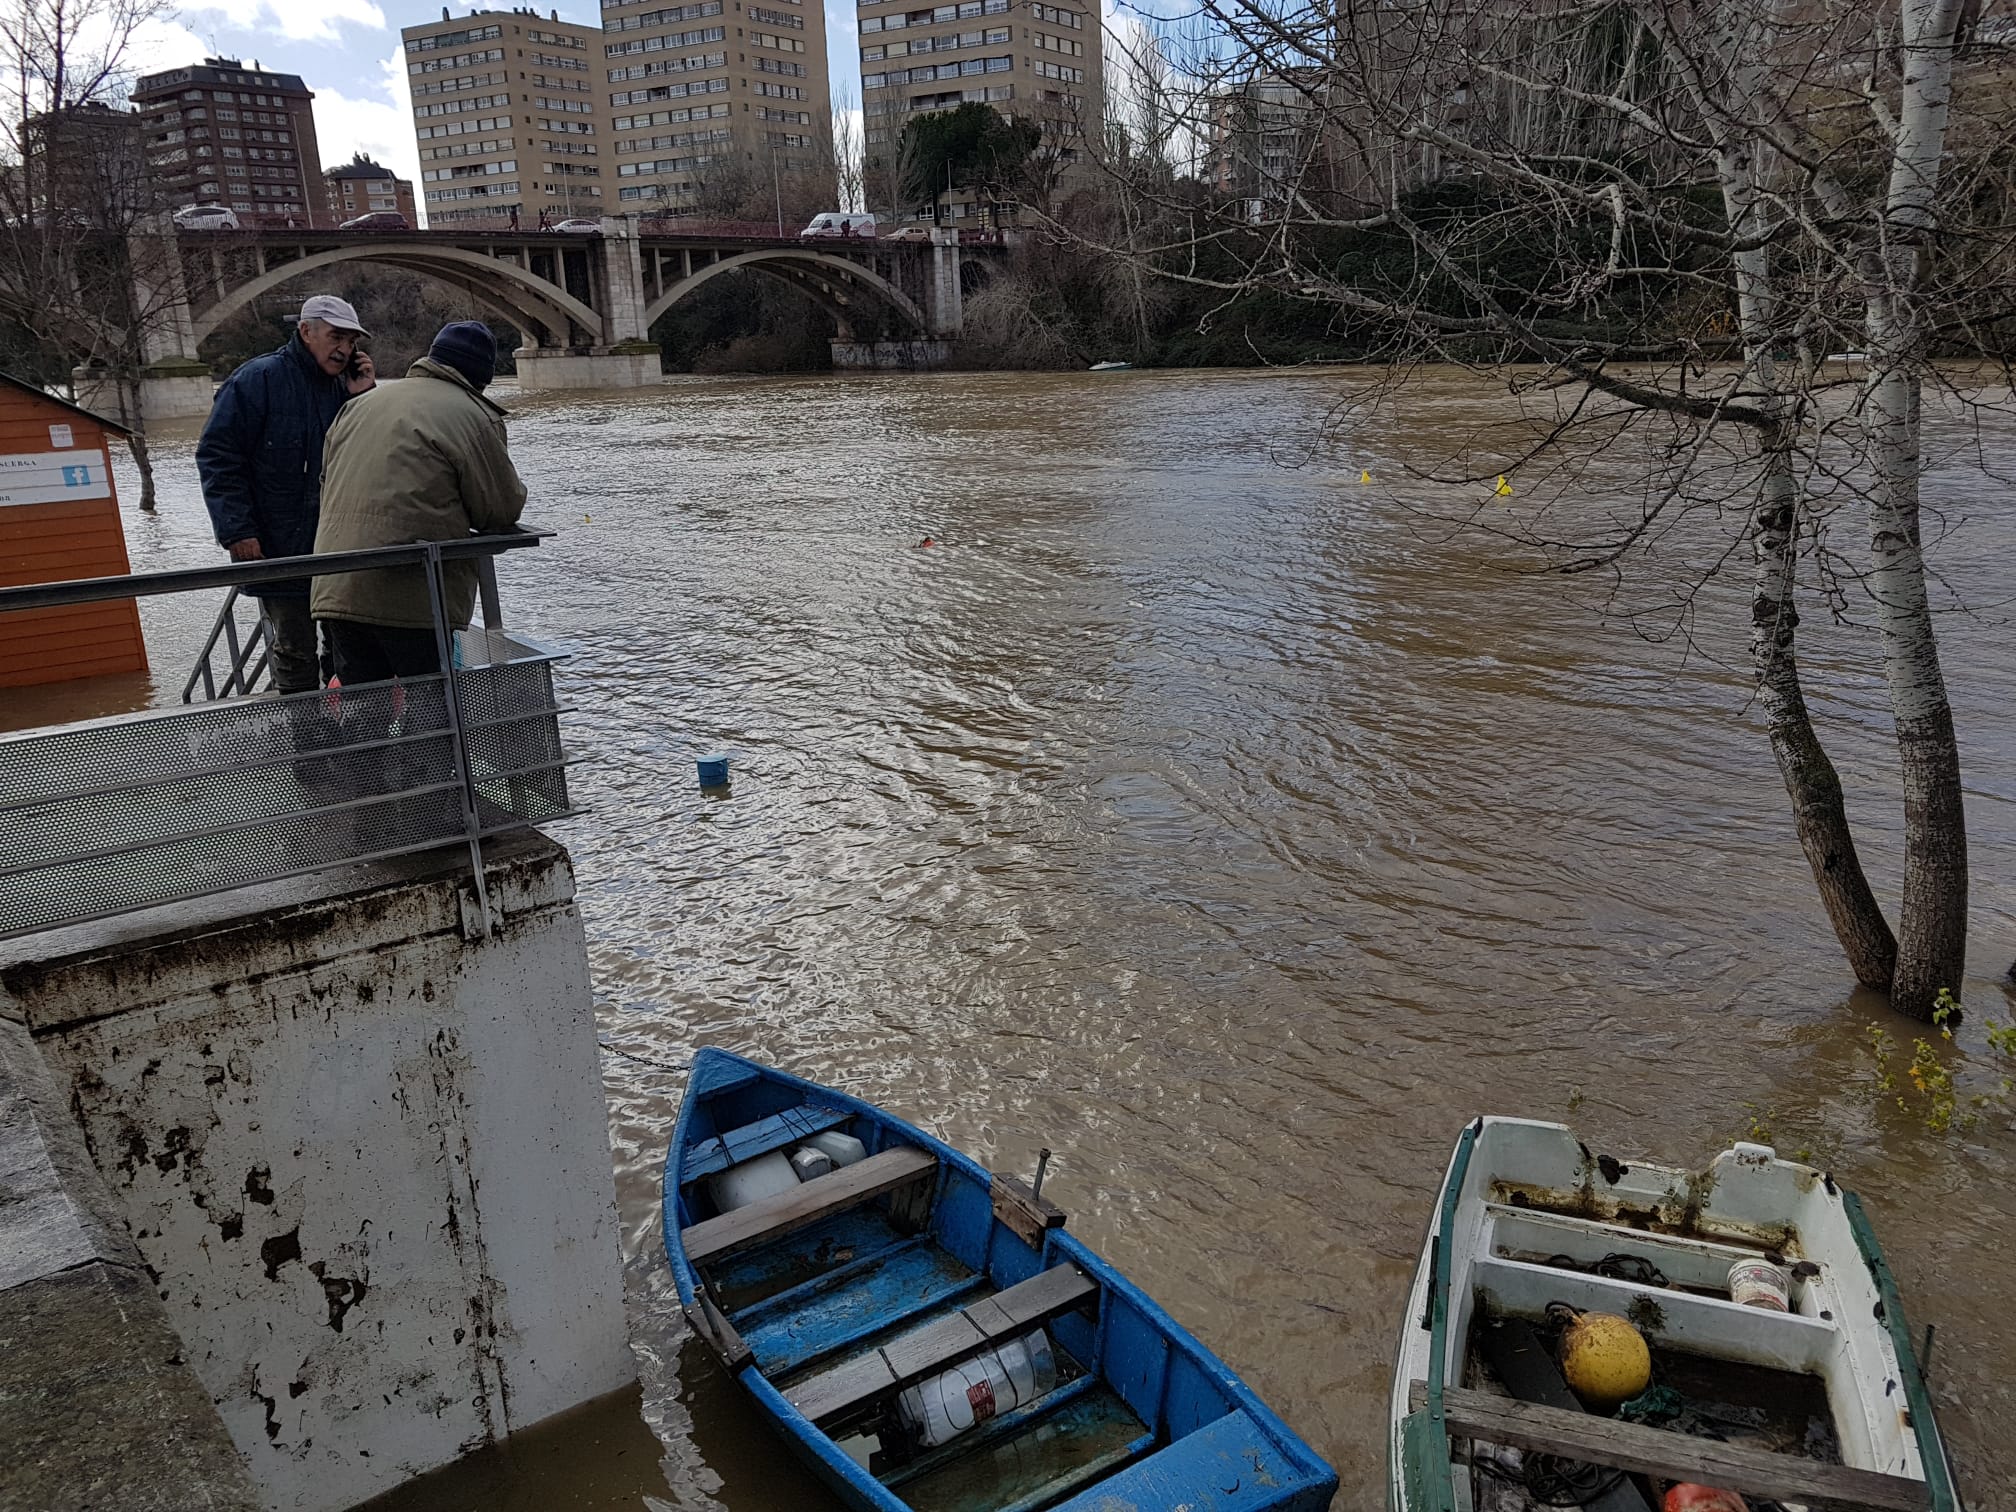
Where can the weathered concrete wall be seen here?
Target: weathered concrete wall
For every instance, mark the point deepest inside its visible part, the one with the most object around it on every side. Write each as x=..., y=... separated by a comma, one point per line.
x=890, y=356
x=366, y=1155
x=98, y=1406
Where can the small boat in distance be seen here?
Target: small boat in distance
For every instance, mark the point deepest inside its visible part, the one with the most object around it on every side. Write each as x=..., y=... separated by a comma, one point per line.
x=927, y=1336
x=1632, y=1337
x=1110, y=367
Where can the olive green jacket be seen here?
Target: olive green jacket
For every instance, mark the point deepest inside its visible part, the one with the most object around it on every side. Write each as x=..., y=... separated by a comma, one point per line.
x=422, y=460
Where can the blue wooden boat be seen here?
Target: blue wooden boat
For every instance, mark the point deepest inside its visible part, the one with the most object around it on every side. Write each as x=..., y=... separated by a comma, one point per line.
x=927, y=1336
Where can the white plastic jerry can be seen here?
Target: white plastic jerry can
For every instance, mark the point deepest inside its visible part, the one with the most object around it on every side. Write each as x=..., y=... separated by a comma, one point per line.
x=994, y=1381
x=750, y=1180
x=841, y=1149
x=810, y=1163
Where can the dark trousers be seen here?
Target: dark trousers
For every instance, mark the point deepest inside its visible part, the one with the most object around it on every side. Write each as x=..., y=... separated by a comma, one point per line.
x=373, y=653
x=395, y=816
x=290, y=645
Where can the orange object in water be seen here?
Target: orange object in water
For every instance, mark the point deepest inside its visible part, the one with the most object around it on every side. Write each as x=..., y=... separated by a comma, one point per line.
x=927, y=541
x=1692, y=1498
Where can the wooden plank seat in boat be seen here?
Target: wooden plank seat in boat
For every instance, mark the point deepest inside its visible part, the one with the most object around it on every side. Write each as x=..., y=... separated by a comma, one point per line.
x=1674, y=1456
x=943, y=1341
x=804, y=1205
x=1226, y=1466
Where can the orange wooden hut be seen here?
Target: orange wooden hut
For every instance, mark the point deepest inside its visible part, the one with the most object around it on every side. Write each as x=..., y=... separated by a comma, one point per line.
x=59, y=520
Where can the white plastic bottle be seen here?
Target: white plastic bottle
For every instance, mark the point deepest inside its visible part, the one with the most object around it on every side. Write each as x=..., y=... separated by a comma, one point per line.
x=992, y=1382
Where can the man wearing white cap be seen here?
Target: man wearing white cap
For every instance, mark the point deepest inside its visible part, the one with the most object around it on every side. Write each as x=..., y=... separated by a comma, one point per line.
x=261, y=464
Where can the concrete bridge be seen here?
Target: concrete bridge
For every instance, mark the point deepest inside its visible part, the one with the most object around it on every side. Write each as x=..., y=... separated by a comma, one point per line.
x=585, y=302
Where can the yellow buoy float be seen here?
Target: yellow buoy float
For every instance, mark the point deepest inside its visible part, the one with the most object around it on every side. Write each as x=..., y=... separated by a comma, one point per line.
x=1605, y=1360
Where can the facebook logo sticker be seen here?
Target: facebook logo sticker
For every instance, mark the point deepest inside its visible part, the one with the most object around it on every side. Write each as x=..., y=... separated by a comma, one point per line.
x=77, y=477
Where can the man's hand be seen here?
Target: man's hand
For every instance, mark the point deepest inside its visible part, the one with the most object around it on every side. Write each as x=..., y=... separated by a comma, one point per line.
x=246, y=550
x=365, y=378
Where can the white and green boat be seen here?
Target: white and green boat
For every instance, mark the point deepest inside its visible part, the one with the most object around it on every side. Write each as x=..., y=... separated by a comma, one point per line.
x=1819, y=1405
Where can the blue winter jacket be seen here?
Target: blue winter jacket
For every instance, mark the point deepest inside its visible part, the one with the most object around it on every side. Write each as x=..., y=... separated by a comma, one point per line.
x=261, y=455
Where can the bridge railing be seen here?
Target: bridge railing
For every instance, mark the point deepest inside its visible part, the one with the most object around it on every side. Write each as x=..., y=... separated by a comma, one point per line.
x=109, y=815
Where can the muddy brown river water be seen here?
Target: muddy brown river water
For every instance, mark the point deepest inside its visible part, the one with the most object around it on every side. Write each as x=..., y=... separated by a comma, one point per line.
x=1218, y=821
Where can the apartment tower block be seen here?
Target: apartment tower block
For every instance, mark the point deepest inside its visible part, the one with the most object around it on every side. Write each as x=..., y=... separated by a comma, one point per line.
x=715, y=104
x=222, y=132
x=509, y=120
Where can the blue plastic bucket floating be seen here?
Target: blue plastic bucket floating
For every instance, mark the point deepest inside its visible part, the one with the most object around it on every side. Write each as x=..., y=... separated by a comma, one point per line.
x=713, y=771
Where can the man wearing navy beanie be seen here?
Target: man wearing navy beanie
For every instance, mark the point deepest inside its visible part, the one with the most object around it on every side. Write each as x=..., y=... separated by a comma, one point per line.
x=468, y=347
x=422, y=460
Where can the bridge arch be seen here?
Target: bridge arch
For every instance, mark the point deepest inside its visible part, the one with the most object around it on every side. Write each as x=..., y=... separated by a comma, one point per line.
x=797, y=267
x=523, y=297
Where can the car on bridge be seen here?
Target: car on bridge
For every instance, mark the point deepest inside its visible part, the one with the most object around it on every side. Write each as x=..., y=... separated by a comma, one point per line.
x=581, y=225
x=377, y=220
x=206, y=218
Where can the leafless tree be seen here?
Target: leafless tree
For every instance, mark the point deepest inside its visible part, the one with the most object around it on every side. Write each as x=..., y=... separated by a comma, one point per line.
x=888, y=165
x=86, y=261
x=843, y=148
x=1658, y=221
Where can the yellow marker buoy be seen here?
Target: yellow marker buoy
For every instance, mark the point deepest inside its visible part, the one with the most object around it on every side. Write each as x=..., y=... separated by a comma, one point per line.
x=1364, y=475
x=1605, y=1360
x=1503, y=489
x=586, y=518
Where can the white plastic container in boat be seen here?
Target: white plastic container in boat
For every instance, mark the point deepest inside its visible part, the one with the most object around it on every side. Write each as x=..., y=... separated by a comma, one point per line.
x=841, y=1149
x=991, y=1383
x=810, y=1164
x=751, y=1180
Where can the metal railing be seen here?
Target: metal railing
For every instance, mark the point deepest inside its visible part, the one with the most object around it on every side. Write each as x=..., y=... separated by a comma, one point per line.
x=110, y=815
x=246, y=650
x=245, y=655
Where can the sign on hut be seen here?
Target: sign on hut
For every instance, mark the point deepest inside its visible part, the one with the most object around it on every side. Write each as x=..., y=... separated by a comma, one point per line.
x=59, y=520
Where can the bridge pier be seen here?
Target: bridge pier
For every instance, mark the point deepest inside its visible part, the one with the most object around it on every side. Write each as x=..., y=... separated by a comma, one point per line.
x=625, y=365
x=170, y=389
x=626, y=357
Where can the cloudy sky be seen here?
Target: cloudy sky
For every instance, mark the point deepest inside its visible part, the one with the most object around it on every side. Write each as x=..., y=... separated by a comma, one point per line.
x=348, y=51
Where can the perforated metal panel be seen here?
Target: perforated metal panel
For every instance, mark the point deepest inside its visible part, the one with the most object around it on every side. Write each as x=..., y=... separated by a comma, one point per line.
x=118, y=814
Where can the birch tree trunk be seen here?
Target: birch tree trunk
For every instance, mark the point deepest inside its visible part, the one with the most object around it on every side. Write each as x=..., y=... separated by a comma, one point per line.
x=1932, y=926
x=1819, y=807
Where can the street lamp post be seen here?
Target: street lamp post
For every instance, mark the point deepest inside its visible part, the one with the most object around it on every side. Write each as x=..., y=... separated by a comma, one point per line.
x=776, y=190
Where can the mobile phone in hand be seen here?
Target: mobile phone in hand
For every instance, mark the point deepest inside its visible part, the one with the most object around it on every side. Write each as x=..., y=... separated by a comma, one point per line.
x=355, y=368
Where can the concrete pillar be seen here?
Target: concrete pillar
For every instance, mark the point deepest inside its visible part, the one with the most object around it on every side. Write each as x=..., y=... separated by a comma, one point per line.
x=161, y=292
x=363, y=1149
x=98, y=1405
x=622, y=282
x=944, y=305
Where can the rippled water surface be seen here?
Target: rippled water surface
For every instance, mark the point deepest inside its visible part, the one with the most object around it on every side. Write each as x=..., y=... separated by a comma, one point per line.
x=1221, y=823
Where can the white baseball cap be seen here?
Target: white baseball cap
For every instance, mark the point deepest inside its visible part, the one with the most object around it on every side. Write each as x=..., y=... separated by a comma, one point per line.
x=337, y=312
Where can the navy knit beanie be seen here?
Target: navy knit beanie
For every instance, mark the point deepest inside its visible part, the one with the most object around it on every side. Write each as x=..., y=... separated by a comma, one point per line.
x=468, y=347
